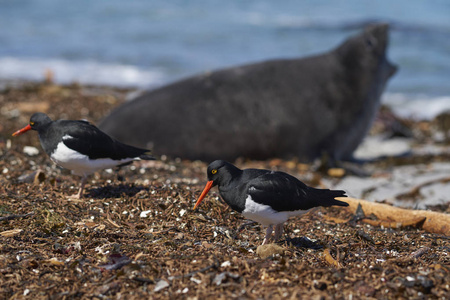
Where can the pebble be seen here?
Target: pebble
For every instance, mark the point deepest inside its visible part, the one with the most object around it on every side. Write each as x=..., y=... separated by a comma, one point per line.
x=145, y=213
x=160, y=285
x=31, y=151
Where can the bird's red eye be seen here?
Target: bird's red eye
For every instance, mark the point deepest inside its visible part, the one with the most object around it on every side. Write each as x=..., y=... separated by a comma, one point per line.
x=31, y=123
x=213, y=171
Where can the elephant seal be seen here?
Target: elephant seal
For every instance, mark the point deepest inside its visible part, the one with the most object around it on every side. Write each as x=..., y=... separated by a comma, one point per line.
x=282, y=108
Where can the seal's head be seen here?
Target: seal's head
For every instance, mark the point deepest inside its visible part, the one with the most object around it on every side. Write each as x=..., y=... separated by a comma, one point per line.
x=368, y=51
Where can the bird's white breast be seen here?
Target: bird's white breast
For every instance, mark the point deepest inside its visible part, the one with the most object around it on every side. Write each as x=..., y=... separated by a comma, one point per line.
x=80, y=164
x=265, y=214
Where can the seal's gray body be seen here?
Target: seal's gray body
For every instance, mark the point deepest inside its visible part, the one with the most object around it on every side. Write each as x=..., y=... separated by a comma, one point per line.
x=280, y=108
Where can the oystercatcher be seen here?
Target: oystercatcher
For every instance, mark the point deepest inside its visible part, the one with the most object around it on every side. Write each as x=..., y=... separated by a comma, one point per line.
x=265, y=196
x=81, y=147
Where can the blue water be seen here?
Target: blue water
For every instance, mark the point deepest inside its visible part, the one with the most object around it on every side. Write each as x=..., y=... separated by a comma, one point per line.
x=148, y=43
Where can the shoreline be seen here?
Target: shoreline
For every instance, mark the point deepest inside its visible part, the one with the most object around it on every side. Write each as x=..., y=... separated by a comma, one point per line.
x=417, y=107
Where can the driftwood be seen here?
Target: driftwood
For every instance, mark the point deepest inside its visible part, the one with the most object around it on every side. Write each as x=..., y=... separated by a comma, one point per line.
x=415, y=222
x=435, y=222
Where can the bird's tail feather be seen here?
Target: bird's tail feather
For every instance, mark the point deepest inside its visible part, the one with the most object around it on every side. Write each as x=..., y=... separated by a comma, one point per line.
x=326, y=197
x=146, y=156
x=339, y=203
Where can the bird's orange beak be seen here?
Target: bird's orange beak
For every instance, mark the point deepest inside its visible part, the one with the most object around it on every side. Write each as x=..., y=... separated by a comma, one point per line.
x=205, y=191
x=23, y=130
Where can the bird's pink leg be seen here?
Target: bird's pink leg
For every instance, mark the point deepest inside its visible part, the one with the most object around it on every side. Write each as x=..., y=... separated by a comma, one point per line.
x=278, y=231
x=80, y=192
x=268, y=235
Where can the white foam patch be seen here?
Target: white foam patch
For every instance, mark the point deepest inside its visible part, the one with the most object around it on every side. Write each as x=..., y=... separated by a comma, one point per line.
x=378, y=146
x=417, y=107
x=265, y=215
x=80, y=164
x=85, y=72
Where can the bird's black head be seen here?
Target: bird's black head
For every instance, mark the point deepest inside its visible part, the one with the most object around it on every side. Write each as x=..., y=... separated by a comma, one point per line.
x=220, y=171
x=37, y=121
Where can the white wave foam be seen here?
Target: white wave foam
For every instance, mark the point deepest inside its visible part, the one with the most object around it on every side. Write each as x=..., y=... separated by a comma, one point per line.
x=85, y=72
x=417, y=106
x=283, y=20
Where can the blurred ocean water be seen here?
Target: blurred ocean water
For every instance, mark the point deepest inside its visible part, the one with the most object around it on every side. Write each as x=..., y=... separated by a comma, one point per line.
x=148, y=43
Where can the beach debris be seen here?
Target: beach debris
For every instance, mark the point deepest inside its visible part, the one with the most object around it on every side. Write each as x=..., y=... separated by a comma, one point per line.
x=435, y=222
x=304, y=242
x=442, y=123
x=12, y=217
x=10, y=233
x=30, y=107
x=145, y=213
x=162, y=284
x=49, y=75
x=415, y=222
x=329, y=259
x=365, y=236
x=415, y=192
x=420, y=252
x=336, y=172
x=222, y=277
x=34, y=177
x=335, y=219
x=264, y=251
x=54, y=261
x=115, y=262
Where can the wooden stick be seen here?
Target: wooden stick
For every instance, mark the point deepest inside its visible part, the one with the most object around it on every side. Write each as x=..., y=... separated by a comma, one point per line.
x=12, y=217
x=416, y=190
x=329, y=259
x=435, y=222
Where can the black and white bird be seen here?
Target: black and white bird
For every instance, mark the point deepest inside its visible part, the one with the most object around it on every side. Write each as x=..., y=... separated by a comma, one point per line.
x=81, y=147
x=265, y=196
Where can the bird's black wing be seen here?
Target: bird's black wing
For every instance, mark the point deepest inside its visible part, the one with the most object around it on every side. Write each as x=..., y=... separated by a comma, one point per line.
x=87, y=139
x=284, y=192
